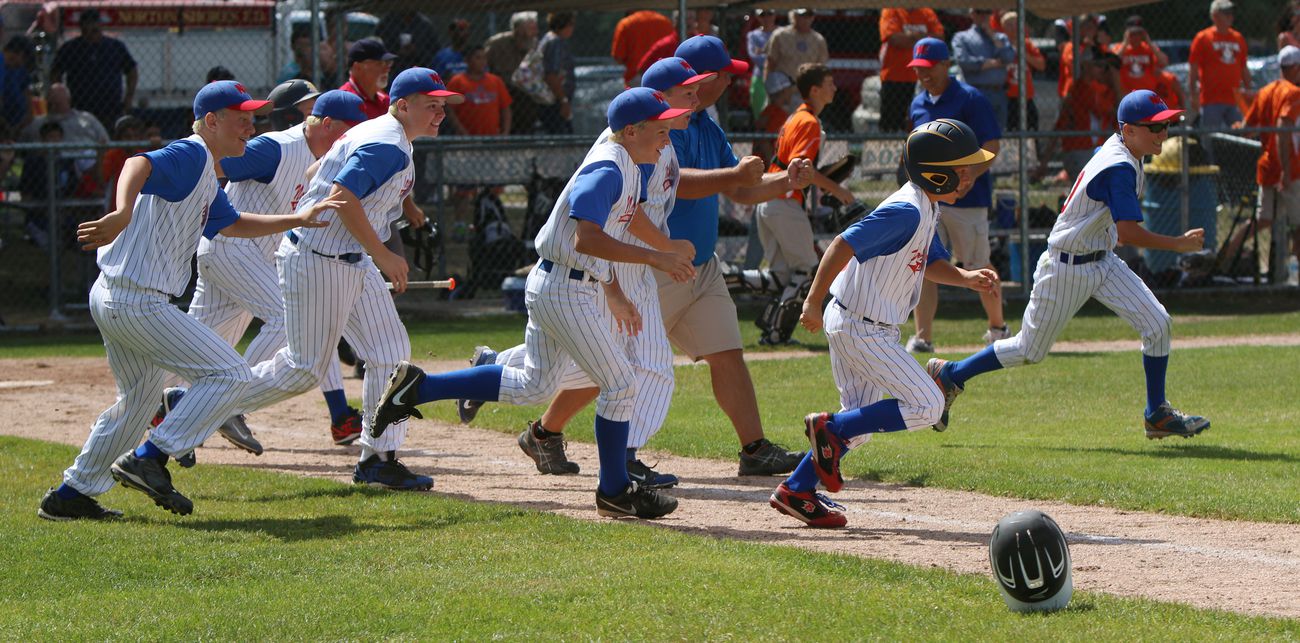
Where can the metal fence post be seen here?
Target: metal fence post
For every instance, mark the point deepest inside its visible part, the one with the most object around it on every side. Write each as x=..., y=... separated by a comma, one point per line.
x=441, y=205
x=1022, y=142
x=52, y=222
x=314, y=30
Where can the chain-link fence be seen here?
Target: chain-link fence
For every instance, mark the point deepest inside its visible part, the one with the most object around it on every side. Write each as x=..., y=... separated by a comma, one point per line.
x=80, y=75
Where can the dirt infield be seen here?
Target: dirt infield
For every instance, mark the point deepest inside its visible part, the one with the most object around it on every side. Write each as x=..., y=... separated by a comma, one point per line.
x=1227, y=565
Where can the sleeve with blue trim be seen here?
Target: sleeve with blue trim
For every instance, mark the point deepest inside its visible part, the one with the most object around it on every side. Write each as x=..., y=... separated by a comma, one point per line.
x=220, y=215
x=595, y=192
x=937, y=251
x=369, y=167
x=175, y=170
x=260, y=161
x=1116, y=186
x=883, y=232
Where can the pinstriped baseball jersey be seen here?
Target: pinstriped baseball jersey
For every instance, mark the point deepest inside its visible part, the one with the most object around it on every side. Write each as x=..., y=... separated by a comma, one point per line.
x=886, y=288
x=153, y=252
x=379, y=205
x=280, y=196
x=1085, y=224
x=661, y=194
x=555, y=241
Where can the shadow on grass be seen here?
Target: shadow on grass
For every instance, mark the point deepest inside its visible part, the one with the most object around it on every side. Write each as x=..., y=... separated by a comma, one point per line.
x=1197, y=451
x=338, y=526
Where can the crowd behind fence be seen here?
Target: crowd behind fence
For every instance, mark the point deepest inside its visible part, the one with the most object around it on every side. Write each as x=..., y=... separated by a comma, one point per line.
x=83, y=89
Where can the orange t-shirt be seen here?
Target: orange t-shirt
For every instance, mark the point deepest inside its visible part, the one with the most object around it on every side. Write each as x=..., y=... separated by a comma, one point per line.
x=1066, y=71
x=1088, y=109
x=634, y=36
x=800, y=137
x=1222, y=59
x=1139, y=66
x=1013, y=89
x=1165, y=84
x=480, y=114
x=1278, y=100
x=893, y=60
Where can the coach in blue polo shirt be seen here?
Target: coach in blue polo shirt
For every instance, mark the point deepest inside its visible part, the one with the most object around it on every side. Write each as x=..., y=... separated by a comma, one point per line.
x=963, y=226
x=699, y=316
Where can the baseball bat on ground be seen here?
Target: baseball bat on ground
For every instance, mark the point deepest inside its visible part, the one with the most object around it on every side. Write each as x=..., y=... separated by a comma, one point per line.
x=449, y=284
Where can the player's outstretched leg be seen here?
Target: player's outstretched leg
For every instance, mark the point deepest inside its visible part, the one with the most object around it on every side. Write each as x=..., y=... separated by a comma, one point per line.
x=468, y=409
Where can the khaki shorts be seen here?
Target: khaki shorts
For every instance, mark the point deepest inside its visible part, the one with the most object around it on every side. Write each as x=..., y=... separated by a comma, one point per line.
x=965, y=233
x=787, y=236
x=699, y=315
x=1287, y=212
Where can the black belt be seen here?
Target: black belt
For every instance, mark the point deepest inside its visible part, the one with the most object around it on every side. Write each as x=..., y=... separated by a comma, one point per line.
x=577, y=275
x=864, y=318
x=349, y=257
x=1076, y=260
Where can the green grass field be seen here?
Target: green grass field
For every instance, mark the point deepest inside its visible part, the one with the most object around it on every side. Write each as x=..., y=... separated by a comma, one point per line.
x=278, y=557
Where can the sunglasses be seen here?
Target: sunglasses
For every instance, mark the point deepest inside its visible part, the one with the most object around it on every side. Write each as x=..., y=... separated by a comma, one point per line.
x=1155, y=128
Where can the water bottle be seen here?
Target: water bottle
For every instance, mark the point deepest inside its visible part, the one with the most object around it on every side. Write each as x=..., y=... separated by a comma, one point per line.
x=1292, y=271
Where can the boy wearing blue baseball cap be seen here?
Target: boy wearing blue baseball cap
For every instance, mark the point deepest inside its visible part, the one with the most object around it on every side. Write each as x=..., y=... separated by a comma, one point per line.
x=580, y=248
x=1104, y=207
x=167, y=200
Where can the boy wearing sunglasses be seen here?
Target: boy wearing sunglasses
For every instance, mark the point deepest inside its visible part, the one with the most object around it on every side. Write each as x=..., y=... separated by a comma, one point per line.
x=1080, y=264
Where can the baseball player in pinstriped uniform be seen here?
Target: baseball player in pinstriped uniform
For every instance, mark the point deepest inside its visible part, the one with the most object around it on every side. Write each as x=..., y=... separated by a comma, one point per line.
x=649, y=350
x=167, y=199
x=873, y=272
x=1103, y=207
x=578, y=246
x=332, y=283
x=237, y=277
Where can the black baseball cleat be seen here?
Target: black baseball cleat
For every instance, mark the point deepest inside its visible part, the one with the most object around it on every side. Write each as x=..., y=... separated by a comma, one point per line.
x=57, y=508
x=236, y=431
x=636, y=501
x=768, y=460
x=645, y=475
x=151, y=477
x=399, y=399
x=389, y=474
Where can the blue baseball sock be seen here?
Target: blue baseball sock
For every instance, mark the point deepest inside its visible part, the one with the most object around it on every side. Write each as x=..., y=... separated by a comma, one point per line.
x=1155, y=368
x=148, y=450
x=481, y=383
x=982, y=362
x=631, y=454
x=66, y=492
x=611, y=447
x=881, y=417
x=804, y=477
x=337, y=400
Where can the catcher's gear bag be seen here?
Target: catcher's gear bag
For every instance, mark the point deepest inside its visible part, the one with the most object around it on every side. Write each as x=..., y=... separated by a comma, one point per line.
x=837, y=172
x=781, y=314
x=425, y=243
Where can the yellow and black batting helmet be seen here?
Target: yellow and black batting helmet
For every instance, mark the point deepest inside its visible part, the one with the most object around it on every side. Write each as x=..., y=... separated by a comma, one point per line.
x=935, y=149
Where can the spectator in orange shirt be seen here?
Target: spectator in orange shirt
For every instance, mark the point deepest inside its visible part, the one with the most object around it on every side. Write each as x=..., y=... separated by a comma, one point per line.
x=1277, y=105
x=1090, y=35
x=666, y=47
x=1089, y=107
x=1169, y=89
x=634, y=35
x=486, y=110
x=899, y=31
x=1217, y=69
x=1034, y=61
x=1141, y=59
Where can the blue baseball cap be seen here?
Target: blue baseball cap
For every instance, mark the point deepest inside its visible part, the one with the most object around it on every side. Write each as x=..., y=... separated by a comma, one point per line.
x=708, y=54
x=929, y=51
x=671, y=72
x=640, y=104
x=228, y=94
x=340, y=106
x=422, y=80
x=1145, y=106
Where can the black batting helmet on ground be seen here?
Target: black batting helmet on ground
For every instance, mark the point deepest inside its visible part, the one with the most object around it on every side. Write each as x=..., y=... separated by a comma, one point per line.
x=1031, y=562
x=934, y=151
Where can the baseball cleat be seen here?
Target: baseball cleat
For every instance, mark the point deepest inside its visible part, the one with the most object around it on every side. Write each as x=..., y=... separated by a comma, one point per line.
x=814, y=509
x=399, y=399
x=151, y=477
x=236, y=431
x=188, y=460
x=769, y=459
x=918, y=345
x=635, y=501
x=171, y=397
x=940, y=370
x=348, y=430
x=467, y=409
x=1167, y=421
x=827, y=449
x=55, y=507
x=389, y=474
x=548, y=454
x=642, y=474
x=994, y=334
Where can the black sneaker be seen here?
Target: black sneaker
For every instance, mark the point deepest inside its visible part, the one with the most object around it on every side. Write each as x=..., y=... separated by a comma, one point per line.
x=770, y=459
x=643, y=475
x=55, y=507
x=399, y=399
x=635, y=501
x=389, y=474
x=548, y=454
x=151, y=477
